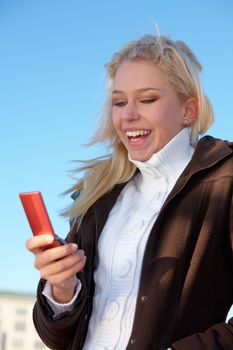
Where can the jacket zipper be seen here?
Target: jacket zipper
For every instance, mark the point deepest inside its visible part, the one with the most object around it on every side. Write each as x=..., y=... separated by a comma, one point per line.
x=169, y=199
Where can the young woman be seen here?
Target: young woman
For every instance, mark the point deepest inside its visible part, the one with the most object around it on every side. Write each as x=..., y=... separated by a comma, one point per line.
x=148, y=264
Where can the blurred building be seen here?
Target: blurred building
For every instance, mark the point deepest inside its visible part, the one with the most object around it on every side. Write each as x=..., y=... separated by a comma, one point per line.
x=16, y=327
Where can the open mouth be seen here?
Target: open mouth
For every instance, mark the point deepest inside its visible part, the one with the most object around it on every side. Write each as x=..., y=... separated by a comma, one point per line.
x=136, y=135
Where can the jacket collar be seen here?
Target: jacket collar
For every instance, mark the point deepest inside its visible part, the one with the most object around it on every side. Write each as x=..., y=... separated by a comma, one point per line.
x=209, y=151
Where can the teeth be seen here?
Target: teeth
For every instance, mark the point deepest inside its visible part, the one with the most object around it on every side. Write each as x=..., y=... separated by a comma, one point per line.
x=137, y=133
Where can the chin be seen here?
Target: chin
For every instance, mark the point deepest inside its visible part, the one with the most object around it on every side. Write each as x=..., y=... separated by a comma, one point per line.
x=141, y=158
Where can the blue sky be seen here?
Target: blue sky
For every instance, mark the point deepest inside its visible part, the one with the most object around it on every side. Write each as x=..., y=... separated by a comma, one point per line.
x=52, y=84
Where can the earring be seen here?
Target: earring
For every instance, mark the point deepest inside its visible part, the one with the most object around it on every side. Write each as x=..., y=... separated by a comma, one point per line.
x=185, y=122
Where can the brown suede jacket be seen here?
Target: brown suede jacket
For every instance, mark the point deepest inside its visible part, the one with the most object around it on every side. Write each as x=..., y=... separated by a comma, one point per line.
x=186, y=286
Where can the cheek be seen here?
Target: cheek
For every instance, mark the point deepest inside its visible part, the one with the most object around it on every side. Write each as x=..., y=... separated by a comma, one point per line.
x=171, y=116
x=115, y=121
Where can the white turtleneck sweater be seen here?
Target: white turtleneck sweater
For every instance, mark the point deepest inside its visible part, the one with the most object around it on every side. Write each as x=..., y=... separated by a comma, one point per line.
x=122, y=244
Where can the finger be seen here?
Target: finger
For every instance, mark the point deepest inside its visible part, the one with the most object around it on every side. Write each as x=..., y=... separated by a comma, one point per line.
x=61, y=278
x=52, y=255
x=57, y=253
x=36, y=243
x=72, y=262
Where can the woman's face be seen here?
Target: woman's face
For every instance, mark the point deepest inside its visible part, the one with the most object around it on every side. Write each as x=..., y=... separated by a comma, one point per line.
x=146, y=111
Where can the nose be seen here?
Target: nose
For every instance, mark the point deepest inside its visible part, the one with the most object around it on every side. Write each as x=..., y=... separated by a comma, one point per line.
x=130, y=112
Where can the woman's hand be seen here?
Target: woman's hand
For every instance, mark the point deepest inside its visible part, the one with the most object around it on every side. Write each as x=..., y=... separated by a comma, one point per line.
x=57, y=265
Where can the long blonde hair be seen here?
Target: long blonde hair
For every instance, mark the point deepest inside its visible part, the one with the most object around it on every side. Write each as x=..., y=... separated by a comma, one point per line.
x=182, y=69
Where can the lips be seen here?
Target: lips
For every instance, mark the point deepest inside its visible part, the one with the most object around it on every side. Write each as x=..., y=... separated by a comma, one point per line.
x=137, y=133
x=138, y=137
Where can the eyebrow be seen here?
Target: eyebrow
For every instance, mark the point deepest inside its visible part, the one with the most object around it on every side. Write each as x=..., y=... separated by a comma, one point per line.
x=138, y=90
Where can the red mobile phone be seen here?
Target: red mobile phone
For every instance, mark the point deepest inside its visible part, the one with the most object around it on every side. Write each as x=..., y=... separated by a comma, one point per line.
x=38, y=217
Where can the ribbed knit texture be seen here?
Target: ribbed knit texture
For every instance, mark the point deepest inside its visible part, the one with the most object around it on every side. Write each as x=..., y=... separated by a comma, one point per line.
x=123, y=240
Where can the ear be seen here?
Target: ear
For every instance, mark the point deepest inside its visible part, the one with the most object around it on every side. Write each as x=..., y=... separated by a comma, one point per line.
x=190, y=111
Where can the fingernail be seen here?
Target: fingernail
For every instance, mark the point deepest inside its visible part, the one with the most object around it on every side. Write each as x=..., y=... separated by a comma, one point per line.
x=49, y=238
x=74, y=247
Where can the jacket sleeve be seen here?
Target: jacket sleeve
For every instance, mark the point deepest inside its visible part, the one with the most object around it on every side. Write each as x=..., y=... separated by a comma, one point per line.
x=217, y=337
x=220, y=336
x=59, y=332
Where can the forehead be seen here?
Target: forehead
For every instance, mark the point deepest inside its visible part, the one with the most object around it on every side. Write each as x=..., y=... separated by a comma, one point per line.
x=136, y=74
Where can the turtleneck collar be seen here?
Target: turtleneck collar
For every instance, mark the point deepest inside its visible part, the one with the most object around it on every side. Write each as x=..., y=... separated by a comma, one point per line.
x=171, y=160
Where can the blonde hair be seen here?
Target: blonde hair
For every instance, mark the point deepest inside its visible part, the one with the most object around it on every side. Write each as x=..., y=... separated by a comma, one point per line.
x=182, y=69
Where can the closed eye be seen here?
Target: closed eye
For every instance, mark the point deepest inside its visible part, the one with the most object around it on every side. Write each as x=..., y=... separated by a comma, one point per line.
x=148, y=100
x=122, y=103
x=119, y=103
